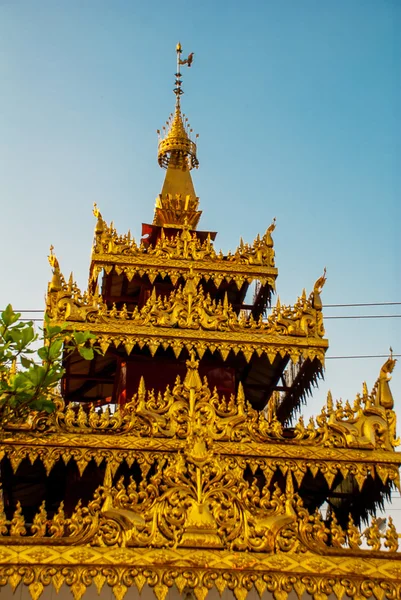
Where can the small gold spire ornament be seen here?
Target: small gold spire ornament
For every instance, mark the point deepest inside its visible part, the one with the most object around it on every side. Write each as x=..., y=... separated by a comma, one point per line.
x=176, y=148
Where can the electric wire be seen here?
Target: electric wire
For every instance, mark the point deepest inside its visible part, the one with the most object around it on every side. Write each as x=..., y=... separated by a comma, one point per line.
x=361, y=356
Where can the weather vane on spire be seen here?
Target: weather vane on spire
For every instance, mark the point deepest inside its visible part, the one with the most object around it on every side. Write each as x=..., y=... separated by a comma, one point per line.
x=186, y=61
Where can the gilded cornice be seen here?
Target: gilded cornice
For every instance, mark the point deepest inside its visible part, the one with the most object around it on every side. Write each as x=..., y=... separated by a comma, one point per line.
x=275, y=458
x=121, y=569
x=152, y=266
x=188, y=318
x=174, y=256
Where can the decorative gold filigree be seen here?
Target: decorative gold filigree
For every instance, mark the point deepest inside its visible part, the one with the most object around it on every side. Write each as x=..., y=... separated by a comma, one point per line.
x=373, y=535
x=211, y=501
x=353, y=535
x=39, y=524
x=338, y=536
x=316, y=577
x=294, y=331
x=184, y=245
x=195, y=498
x=191, y=404
x=391, y=537
x=17, y=526
x=198, y=496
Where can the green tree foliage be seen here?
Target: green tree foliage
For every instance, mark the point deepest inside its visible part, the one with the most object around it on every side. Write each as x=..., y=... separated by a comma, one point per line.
x=31, y=364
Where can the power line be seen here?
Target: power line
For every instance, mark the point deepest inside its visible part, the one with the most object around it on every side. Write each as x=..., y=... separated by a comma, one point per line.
x=35, y=310
x=363, y=304
x=361, y=356
x=362, y=317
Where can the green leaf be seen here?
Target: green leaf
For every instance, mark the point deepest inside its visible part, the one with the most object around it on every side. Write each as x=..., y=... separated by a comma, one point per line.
x=79, y=337
x=52, y=331
x=8, y=316
x=28, y=335
x=36, y=374
x=55, y=349
x=43, y=352
x=25, y=362
x=86, y=353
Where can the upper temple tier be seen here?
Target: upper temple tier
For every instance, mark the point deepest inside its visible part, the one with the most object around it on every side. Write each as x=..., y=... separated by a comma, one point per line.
x=151, y=305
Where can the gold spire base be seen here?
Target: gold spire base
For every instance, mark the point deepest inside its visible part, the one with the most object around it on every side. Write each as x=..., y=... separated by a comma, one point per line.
x=176, y=212
x=177, y=205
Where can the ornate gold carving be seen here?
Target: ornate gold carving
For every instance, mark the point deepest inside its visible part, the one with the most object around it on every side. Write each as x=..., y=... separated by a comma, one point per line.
x=191, y=403
x=39, y=524
x=56, y=283
x=353, y=535
x=17, y=525
x=202, y=510
x=391, y=537
x=184, y=246
x=177, y=211
x=366, y=424
x=188, y=310
x=200, y=446
x=373, y=536
x=196, y=498
x=120, y=570
x=176, y=148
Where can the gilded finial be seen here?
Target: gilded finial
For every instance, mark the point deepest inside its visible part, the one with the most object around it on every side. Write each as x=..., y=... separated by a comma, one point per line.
x=177, y=205
x=53, y=259
x=268, y=235
x=99, y=223
x=176, y=148
x=317, y=288
x=55, y=283
x=187, y=61
x=96, y=211
x=383, y=395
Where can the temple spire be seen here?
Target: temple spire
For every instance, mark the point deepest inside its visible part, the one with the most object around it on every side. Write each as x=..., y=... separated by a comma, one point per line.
x=177, y=204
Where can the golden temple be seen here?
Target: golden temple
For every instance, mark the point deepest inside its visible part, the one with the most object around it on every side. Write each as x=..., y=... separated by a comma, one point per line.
x=176, y=462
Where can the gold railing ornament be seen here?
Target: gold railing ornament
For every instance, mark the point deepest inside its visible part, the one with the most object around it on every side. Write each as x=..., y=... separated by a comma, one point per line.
x=391, y=536
x=17, y=525
x=353, y=535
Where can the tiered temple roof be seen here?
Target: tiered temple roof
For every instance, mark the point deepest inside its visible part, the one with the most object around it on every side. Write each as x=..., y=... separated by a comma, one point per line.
x=176, y=459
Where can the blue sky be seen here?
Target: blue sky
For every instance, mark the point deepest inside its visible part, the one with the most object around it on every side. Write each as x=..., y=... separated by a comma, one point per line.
x=298, y=106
